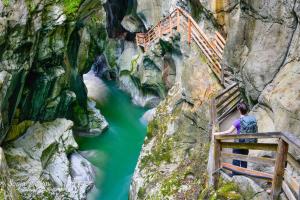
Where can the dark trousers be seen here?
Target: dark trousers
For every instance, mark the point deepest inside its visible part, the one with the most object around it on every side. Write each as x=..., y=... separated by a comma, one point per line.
x=240, y=163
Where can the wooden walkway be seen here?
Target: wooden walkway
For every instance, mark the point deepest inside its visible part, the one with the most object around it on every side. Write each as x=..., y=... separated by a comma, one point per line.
x=221, y=107
x=224, y=104
x=181, y=21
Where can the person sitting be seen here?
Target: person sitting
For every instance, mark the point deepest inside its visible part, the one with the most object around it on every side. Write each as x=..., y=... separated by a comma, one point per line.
x=245, y=124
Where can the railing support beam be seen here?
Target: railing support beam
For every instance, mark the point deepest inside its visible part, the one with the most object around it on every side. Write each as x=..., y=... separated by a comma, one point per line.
x=281, y=158
x=217, y=162
x=189, y=31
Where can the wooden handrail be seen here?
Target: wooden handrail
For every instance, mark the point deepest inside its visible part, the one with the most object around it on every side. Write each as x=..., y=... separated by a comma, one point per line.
x=178, y=18
x=285, y=140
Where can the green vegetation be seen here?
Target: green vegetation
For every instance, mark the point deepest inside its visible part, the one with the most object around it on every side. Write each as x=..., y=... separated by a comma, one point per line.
x=141, y=193
x=2, y=194
x=6, y=3
x=171, y=185
x=110, y=53
x=226, y=191
x=71, y=6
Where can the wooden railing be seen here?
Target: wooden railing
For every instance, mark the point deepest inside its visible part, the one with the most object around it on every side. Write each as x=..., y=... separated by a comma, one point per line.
x=221, y=107
x=181, y=21
x=224, y=104
x=279, y=179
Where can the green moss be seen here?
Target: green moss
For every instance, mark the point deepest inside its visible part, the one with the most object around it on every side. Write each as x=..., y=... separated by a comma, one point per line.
x=171, y=185
x=6, y=3
x=71, y=6
x=1, y=194
x=226, y=191
x=141, y=193
x=110, y=53
x=18, y=130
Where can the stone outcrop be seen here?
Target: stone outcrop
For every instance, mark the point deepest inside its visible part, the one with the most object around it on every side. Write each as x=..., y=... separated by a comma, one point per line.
x=173, y=160
x=262, y=49
x=42, y=163
x=46, y=46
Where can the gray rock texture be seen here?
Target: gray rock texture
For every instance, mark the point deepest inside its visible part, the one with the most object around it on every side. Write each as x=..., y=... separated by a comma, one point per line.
x=46, y=46
x=40, y=167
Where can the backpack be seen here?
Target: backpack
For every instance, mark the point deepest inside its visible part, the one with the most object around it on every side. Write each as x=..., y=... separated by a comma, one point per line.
x=248, y=125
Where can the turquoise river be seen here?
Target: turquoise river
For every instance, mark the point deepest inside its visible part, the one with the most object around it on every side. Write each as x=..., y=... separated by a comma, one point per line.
x=115, y=153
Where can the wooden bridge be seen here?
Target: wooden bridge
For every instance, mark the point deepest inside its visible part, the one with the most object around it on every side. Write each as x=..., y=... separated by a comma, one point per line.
x=222, y=107
x=181, y=21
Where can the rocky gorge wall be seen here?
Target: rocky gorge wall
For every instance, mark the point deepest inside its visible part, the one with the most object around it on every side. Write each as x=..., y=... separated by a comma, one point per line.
x=262, y=49
x=45, y=48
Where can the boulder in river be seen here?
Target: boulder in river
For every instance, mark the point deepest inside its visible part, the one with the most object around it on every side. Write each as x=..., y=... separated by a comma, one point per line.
x=42, y=163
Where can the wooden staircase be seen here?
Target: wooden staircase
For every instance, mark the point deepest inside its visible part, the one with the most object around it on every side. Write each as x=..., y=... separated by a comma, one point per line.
x=181, y=21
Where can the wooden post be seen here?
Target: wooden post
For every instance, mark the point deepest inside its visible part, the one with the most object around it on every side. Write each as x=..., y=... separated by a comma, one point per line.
x=189, y=31
x=160, y=29
x=281, y=157
x=178, y=20
x=217, y=162
x=222, y=75
x=170, y=24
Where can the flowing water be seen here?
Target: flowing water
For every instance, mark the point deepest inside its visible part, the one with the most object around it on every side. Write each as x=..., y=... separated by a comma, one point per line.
x=115, y=153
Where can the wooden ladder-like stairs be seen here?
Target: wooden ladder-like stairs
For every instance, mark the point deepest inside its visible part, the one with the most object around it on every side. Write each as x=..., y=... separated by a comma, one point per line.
x=181, y=21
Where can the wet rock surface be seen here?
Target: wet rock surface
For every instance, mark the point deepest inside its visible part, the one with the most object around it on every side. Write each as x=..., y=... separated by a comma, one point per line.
x=43, y=165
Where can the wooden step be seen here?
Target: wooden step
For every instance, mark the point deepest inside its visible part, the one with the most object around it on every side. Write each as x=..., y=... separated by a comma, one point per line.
x=246, y=172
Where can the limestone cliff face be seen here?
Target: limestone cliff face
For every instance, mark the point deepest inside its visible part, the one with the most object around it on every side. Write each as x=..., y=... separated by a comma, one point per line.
x=148, y=76
x=174, y=156
x=45, y=47
x=263, y=50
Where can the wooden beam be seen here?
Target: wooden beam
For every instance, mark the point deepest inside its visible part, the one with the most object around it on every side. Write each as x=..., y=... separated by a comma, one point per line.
x=247, y=158
x=189, y=31
x=293, y=162
x=247, y=172
x=292, y=140
x=217, y=162
x=249, y=135
x=293, y=185
x=220, y=37
x=288, y=191
x=178, y=20
x=281, y=158
x=254, y=146
x=230, y=94
x=226, y=90
x=227, y=112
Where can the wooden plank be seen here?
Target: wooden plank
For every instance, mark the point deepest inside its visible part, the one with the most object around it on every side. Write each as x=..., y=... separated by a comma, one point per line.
x=213, y=111
x=229, y=95
x=226, y=90
x=220, y=37
x=205, y=43
x=247, y=172
x=178, y=20
x=214, y=68
x=281, y=158
x=254, y=146
x=249, y=135
x=293, y=162
x=228, y=111
x=292, y=140
x=293, y=184
x=237, y=98
x=207, y=52
x=288, y=191
x=189, y=31
x=217, y=161
x=247, y=158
